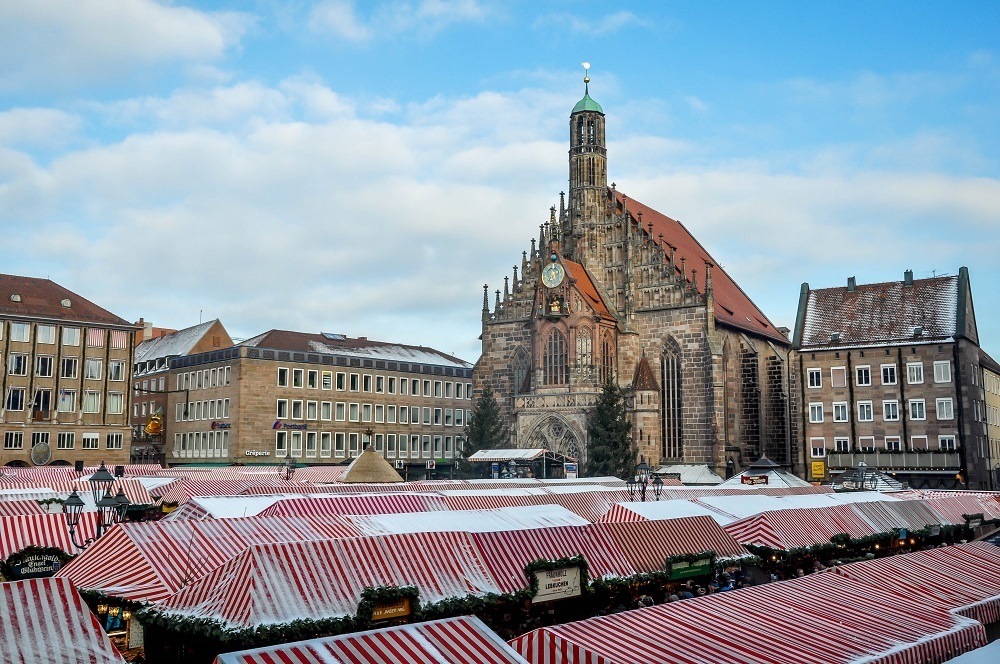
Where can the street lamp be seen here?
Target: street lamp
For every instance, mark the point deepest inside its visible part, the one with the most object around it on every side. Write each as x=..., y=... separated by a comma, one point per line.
x=100, y=482
x=632, y=484
x=110, y=509
x=657, y=486
x=642, y=473
x=289, y=468
x=512, y=468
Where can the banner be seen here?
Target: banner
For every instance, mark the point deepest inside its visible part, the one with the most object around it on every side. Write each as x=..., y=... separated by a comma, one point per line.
x=556, y=584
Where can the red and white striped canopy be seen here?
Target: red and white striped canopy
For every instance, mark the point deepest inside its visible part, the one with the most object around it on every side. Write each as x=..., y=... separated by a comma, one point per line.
x=393, y=503
x=132, y=488
x=461, y=640
x=44, y=621
x=647, y=544
x=279, y=583
x=814, y=619
x=43, y=530
x=20, y=507
x=792, y=528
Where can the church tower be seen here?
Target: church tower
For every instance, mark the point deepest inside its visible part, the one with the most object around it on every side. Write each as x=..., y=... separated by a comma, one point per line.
x=588, y=173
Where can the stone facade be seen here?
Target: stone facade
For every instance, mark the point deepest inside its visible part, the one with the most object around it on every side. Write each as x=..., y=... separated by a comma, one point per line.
x=610, y=286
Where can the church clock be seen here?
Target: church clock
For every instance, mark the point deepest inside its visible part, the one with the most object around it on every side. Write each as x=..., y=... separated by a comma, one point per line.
x=553, y=275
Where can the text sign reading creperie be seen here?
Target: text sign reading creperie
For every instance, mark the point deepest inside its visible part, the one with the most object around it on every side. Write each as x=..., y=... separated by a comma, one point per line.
x=556, y=584
x=389, y=611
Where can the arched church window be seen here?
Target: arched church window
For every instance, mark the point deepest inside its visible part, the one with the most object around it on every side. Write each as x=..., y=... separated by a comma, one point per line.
x=585, y=353
x=580, y=131
x=670, y=402
x=607, y=358
x=591, y=136
x=556, y=365
x=522, y=364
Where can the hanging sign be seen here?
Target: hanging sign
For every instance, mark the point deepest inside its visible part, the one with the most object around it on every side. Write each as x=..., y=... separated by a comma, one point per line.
x=556, y=584
x=818, y=470
x=683, y=570
x=753, y=479
x=399, y=609
x=572, y=470
x=34, y=564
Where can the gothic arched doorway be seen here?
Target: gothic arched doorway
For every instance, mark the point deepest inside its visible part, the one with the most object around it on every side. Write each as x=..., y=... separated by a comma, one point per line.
x=555, y=434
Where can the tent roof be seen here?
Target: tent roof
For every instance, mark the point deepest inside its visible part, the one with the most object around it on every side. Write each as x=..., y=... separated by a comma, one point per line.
x=449, y=641
x=371, y=468
x=45, y=621
x=516, y=454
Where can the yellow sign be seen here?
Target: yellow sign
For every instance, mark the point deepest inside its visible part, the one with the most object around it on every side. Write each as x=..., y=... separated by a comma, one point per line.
x=389, y=611
x=818, y=470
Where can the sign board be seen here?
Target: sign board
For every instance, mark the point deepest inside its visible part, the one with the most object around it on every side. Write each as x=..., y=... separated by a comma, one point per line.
x=431, y=463
x=400, y=464
x=33, y=566
x=684, y=570
x=818, y=470
x=935, y=531
x=555, y=584
x=753, y=479
x=399, y=609
x=975, y=523
x=496, y=470
x=572, y=470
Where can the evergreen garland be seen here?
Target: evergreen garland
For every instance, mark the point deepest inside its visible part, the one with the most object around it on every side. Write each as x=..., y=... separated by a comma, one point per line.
x=610, y=448
x=543, y=565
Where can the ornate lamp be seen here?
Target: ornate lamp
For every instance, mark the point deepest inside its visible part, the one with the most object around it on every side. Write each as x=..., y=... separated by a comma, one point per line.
x=100, y=482
x=631, y=487
x=122, y=505
x=108, y=507
x=642, y=470
x=657, y=486
x=289, y=468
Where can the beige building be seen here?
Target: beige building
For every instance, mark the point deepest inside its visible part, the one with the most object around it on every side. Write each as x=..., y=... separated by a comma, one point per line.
x=991, y=415
x=318, y=398
x=67, y=369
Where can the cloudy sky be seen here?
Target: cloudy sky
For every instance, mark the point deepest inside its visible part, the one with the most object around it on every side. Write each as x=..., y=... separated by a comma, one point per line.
x=365, y=167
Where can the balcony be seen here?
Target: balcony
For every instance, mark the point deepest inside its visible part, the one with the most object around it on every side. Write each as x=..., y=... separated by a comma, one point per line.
x=557, y=400
x=919, y=461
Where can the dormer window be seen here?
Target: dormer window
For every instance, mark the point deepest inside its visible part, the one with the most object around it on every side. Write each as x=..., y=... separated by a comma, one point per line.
x=15, y=298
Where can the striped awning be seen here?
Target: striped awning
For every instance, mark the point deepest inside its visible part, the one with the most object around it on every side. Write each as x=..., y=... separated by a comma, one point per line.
x=647, y=544
x=43, y=530
x=811, y=619
x=461, y=640
x=793, y=528
x=133, y=489
x=887, y=516
x=44, y=621
x=392, y=503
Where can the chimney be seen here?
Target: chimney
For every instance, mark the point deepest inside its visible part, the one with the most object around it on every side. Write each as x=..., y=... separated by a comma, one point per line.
x=852, y=284
x=908, y=278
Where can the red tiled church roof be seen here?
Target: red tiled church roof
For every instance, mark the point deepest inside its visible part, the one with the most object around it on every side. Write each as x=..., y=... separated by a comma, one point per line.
x=732, y=306
x=586, y=286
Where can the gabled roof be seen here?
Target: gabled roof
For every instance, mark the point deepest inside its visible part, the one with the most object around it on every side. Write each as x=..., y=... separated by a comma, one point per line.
x=172, y=345
x=644, y=378
x=586, y=287
x=43, y=298
x=339, y=344
x=733, y=307
x=988, y=362
x=889, y=312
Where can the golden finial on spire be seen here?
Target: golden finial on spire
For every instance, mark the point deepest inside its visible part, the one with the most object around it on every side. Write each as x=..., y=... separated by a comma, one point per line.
x=586, y=76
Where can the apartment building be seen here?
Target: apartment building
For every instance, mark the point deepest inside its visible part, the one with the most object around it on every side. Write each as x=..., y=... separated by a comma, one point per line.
x=318, y=398
x=65, y=386
x=889, y=375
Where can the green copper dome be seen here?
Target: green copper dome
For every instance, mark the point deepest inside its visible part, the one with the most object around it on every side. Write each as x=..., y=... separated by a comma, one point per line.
x=587, y=104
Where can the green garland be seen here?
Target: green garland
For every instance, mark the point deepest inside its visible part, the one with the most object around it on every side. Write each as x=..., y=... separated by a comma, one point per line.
x=18, y=556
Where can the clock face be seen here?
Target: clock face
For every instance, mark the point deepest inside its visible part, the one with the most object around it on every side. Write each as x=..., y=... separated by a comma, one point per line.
x=553, y=274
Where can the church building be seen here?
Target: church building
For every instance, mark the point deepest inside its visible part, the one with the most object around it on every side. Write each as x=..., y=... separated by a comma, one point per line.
x=613, y=289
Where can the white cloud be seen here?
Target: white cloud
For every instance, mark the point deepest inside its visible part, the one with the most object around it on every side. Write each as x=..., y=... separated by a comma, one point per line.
x=594, y=27
x=425, y=18
x=37, y=127
x=54, y=44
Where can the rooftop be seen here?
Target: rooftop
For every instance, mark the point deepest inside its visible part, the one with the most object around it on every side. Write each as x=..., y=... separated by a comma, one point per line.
x=29, y=297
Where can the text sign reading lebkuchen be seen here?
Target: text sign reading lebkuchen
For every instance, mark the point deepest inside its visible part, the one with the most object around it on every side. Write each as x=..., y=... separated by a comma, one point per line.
x=556, y=584
x=398, y=609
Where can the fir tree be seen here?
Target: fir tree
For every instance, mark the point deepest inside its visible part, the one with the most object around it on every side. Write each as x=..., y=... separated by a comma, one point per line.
x=611, y=450
x=486, y=430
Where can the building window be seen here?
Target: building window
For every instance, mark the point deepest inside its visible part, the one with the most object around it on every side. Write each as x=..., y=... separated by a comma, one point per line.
x=325, y=444
x=379, y=384
x=458, y=417
x=815, y=377
x=917, y=411
x=15, y=398
x=114, y=441
x=71, y=336
x=818, y=446
x=311, y=444
x=838, y=377
x=339, y=444
x=449, y=417
x=281, y=444
x=914, y=373
x=865, y=411
x=438, y=389
x=92, y=368
x=116, y=403
x=22, y=332
x=43, y=366
x=888, y=374
x=45, y=334
x=67, y=401
x=892, y=444
x=427, y=415
x=297, y=377
x=355, y=382
x=918, y=442
x=326, y=411
x=91, y=401
x=379, y=413
x=296, y=409
x=427, y=388
x=17, y=364
x=90, y=441
x=282, y=410
x=521, y=369
x=942, y=372
x=863, y=376
x=312, y=410
x=890, y=411
x=556, y=370
x=842, y=445
x=392, y=385
x=70, y=366
x=354, y=411
x=404, y=415
x=390, y=414
x=341, y=382
x=66, y=440
x=327, y=383
x=13, y=440
x=945, y=410
x=353, y=442
x=312, y=382
x=816, y=413
x=607, y=358
x=946, y=443
x=867, y=444
x=116, y=370
x=366, y=383
x=366, y=412
x=840, y=411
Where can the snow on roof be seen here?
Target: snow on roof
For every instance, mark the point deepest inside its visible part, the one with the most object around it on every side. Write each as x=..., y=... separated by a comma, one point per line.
x=674, y=509
x=360, y=347
x=472, y=521
x=172, y=345
x=775, y=478
x=511, y=454
x=230, y=507
x=989, y=654
x=691, y=473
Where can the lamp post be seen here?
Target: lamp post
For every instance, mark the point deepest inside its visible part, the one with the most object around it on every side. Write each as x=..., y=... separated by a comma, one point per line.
x=110, y=509
x=512, y=469
x=631, y=483
x=290, y=466
x=642, y=473
x=657, y=486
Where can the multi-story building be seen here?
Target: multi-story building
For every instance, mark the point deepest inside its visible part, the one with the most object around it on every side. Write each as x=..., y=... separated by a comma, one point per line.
x=66, y=385
x=149, y=385
x=889, y=375
x=615, y=290
x=991, y=416
x=318, y=398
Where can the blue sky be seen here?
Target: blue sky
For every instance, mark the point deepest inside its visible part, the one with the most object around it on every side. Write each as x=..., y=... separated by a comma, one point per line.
x=365, y=167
